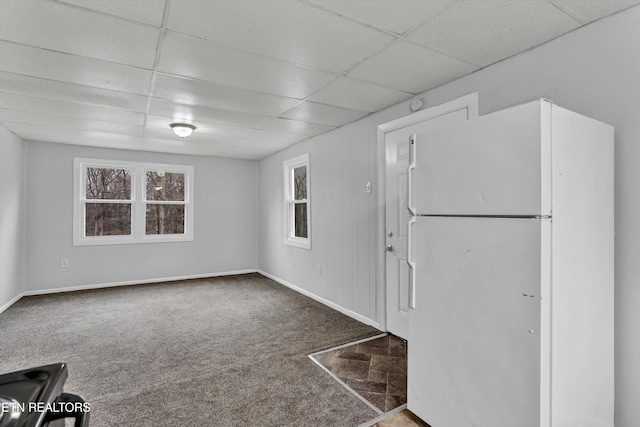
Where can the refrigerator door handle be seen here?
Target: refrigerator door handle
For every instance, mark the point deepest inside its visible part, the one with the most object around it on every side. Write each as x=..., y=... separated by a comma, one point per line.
x=412, y=166
x=412, y=266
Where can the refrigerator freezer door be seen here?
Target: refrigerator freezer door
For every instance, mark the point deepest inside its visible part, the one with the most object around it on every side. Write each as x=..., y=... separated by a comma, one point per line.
x=498, y=164
x=476, y=333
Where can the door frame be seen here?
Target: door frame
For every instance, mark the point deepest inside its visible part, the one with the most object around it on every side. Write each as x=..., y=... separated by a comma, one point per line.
x=470, y=102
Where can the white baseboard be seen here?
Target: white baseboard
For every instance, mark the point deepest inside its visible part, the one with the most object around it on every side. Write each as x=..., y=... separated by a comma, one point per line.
x=135, y=282
x=11, y=302
x=352, y=314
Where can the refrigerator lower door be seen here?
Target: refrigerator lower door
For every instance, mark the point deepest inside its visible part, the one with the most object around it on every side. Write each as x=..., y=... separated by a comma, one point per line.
x=476, y=332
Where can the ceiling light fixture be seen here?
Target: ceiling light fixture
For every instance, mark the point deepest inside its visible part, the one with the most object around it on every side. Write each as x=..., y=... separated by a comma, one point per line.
x=183, y=130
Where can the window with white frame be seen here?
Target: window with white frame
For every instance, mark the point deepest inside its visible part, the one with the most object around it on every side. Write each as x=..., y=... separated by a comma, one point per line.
x=297, y=197
x=129, y=202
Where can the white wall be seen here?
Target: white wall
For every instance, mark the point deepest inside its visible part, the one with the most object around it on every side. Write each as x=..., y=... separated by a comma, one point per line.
x=11, y=217
x=342, y=220
x=594, y=71
x=224, y=223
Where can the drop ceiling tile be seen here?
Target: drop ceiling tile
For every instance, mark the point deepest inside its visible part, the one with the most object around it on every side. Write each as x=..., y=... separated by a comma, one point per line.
x=188, y=147
x=146, y=11
x=274, y=139
x=357, y=95
x=410, y=68
x=68, y=109
x=323, y=114
x=589, y=11
x=483, y=32
x=37, y=119
x=166, y=144
x=59, y=27
x=203, y=127
x=290, y=30
x=192, y=113
x=185, y=112
x=191, y=91
x=202, y=145
x=206, y=143
x=190, y=57
x=248, y=152
x=66, y=92
x=259, y=149
x=294, y=126
x=36, y=62
x=200, y=135
x=44, y=133
x=397, y=16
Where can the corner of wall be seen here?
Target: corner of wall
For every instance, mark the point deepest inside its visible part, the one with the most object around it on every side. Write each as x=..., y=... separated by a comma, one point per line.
x=12, y=213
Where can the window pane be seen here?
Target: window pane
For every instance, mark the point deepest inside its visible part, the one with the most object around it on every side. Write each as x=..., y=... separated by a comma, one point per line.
x=300, y=220
x=108, y=183
x=165, y=219
x=108, y=219
x=167, y=186
x=300, y=183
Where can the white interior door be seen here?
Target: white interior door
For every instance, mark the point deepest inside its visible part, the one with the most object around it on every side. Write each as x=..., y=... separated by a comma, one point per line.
x=397, y=217
x=397, y=149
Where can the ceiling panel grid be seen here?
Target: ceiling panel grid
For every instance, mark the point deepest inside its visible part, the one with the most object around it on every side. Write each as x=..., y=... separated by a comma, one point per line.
x=253, y=76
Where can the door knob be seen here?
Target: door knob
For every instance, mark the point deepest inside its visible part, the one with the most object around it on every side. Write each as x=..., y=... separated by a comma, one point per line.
x=388, y=248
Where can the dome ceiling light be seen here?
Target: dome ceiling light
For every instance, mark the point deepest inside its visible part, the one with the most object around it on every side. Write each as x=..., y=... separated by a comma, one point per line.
x=183, y=130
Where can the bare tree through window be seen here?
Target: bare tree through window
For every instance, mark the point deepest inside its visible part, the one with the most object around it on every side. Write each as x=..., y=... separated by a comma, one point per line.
x=165, y=206
x=108, y=207
x=122, y=202
x=300, y=201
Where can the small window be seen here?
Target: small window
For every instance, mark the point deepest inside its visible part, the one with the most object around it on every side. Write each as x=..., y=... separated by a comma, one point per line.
x=127, y=202
x=297, y=196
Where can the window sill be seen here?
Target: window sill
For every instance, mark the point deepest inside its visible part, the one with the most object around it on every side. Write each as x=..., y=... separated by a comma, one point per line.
x=298, y=242
x=126, y=240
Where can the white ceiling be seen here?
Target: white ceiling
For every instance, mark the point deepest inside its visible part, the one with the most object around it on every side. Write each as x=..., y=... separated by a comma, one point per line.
x=254, y=76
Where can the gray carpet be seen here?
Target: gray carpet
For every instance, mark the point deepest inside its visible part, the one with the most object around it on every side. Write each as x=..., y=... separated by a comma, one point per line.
x=228, y=351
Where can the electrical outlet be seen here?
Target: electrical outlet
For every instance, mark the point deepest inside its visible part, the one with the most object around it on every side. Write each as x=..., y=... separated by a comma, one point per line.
x=64, y=262
x=319, y=269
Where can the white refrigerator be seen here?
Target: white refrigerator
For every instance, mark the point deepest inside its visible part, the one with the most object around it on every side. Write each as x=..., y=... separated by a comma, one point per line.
x=511, y=265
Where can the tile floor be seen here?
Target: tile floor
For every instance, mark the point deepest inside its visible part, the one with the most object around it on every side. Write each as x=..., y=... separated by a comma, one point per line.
x=402, y=419
x=375, y=369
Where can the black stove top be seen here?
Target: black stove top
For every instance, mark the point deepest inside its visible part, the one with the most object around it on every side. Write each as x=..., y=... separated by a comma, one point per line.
x=34, y=397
